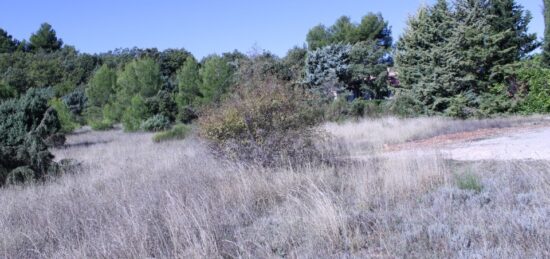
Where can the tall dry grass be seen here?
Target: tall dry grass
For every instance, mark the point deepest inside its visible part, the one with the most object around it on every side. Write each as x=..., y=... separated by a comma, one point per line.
x=133, y=198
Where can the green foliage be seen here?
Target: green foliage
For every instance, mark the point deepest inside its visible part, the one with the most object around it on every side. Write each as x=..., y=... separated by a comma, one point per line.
x=135, y=114
x=498, y=100
x=216, y=76
x=178, y=132
x=64, y=69
x=7, y=91
x=171, y=60
x=341, y=109
x=546, y=47
x=263, y=121
x=156, y=123
x=468, y=181
x=7, y=44
x=162, y=104
x=45, y=39
x=139, y=77
x=189, y=83
x=327, y=69
x=295, y=62
x=448, y=53
x=360, y=69
x=64, y=115
x=76, y=101
x=537, y=79
x=368, y=70
x=373, y=27
x=27, y=126
x=101, y=87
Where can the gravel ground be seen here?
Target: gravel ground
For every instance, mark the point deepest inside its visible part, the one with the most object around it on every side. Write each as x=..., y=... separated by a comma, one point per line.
x=533, y=144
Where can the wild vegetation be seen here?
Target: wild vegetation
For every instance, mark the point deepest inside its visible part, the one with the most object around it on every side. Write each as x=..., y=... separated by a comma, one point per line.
x=175, y=199
x=256, y=155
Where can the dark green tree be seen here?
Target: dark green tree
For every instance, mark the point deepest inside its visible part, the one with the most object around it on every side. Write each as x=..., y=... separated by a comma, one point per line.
x=448, y=58
x=546, y=48
x=7, y=44
x=27, y=126
x=372, y=27
x=318, y=37
x=45, y=39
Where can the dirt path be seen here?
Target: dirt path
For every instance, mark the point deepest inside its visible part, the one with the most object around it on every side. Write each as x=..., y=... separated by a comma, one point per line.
x=531, y=143
x=513, y=143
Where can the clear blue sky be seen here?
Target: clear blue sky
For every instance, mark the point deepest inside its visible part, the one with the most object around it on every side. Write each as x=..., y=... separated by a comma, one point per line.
x=202, y=27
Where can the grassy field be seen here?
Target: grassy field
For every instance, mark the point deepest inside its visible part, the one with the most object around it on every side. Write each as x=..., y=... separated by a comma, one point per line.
x=133, y=198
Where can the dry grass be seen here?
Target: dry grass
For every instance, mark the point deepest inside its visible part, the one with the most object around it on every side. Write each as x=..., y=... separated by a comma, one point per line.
x=133, y=198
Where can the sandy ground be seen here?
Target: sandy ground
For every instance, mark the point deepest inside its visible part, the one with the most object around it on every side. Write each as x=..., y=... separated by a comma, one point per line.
x=527, y=144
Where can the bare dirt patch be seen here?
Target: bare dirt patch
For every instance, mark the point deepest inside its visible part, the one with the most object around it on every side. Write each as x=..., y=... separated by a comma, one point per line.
x=461, y=137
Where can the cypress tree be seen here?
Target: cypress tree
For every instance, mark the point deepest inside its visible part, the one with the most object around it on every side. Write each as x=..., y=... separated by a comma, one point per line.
x=546, y=48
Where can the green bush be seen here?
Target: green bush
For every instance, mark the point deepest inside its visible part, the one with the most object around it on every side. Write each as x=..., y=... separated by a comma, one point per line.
x=27, y=127
x=156, y=123
x=177, y=132
x=7, y=91
x=67, y=123
x=404, y=105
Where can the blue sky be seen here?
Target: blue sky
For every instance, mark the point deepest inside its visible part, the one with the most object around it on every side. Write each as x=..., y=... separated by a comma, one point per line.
x=202, y=27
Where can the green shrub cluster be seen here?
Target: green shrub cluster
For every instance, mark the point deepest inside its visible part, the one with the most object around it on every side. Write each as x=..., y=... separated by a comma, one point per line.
x=28, y=126
x=156, y=123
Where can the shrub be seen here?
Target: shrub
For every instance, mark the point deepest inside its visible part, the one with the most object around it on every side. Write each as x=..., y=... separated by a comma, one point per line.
x=177, y=132
x=27, y=126
x=67, y=124
x=7, y=91
x=403, y=104
x=156, y=123
x=264, y=121
x=76, y=102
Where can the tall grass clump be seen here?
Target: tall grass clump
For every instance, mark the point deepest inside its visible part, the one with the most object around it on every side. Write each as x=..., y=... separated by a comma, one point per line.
x=178, y=132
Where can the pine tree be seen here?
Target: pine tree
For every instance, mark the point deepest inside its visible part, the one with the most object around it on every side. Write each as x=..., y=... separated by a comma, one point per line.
x=45, y=39
x=424, y=61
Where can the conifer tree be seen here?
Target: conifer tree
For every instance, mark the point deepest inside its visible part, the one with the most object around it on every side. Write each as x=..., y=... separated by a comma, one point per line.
x=546, y=48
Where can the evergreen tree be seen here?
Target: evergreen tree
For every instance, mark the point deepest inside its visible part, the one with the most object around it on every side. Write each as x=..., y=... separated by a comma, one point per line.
x=372, y=27
x=45, y=39
x=216, y=77
x=141, y=77
x=101, y=87
x=7, y=44
x=318, y=37
x=546, y=48
x=448, y=58
x=423, y=57
x=189, y=83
